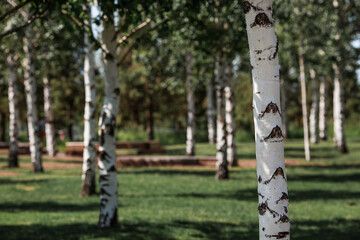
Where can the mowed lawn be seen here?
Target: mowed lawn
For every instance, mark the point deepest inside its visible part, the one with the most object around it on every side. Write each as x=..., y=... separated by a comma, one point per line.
x=186, y=203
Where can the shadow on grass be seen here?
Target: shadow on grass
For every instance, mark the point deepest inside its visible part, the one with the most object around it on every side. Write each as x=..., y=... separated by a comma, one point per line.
x=18, y=181
x=170, y=172
x=345, y=229
x=48, y=207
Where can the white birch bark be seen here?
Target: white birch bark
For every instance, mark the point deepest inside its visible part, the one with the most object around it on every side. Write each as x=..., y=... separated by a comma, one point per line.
x=338, y=112
x=272, y=181
x=222, y=171
x=303, y=99
x=190, y=130
x=107, y=123
x=49, y=118
x=89, y=153
x=322, y=109
x=230, y=114
x=285, y=125
x=13, y=113
x=314, y=111
x=210, y=112
x=30, y=89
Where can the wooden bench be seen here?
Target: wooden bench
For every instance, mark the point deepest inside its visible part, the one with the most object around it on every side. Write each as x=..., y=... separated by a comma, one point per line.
x=144, y=147
x=23, y=147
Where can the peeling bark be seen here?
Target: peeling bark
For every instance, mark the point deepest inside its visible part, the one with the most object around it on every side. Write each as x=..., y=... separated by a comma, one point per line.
x=338, y=112
x=303, y=99
x=263, y=43
x=190, y=130
x=89, y=153
x=222, y=171
x=210, y=112
x=230, y=114
x=49, y=118
x=314, y=111
x=13, y=114
x=107, y=146
x=30, y=89
x=322, y=110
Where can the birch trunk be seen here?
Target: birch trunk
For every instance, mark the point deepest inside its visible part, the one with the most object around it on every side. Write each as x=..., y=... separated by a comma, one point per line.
x=13, y=114
x=89, y=153
x=30, y=89
x=322, y=109
x=107, y=124
x=283, y=99
x=210, y=112
x=303, y=99
x=222, y=171
x=272, y=182
x=49, y=118
x=230, y=114
x=338, y=112
x=314, y=111
x=149, y=110
x=190, y=129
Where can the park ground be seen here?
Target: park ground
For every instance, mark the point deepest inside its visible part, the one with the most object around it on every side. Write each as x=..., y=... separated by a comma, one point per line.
x=185, y=203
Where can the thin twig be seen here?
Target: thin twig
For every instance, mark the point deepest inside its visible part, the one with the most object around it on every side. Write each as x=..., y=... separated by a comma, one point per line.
x=14, y=9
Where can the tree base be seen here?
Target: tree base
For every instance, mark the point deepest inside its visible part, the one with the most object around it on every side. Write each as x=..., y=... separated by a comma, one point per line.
x=222, y=174
x=103, y=220
x=88, y=187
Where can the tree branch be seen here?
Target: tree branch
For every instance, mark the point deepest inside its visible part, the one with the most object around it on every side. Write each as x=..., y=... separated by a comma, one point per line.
x=14, y=9
x=27, y=23
x=133, y=32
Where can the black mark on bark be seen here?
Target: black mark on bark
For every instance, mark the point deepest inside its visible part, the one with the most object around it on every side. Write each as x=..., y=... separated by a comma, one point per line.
x=285, y=209
x=284, y=196
x=104, y=192
x=275, y=134
x=263, y=207
x=280, y=235
x=271, y=107
x=276, y=51
x=259, y=179
x=278, y=172
x=283, y=219
x=262, y=196
x=247, y=7
x=261, y=20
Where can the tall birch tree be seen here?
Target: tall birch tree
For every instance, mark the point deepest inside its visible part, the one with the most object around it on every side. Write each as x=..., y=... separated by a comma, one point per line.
x=13, y=113
x=322, y=109
x=190, y=129
x=272, y=181
x=210, y=112
x=49, y=118
x=89, y=153
x=314, y=110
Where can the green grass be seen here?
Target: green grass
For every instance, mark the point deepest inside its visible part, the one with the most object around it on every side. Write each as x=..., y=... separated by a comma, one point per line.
x=167, y=203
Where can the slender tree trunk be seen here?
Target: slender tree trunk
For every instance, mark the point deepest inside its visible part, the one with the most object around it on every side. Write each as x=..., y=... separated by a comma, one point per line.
x=149, y=111
x=13, y=114
x=107, y=125
x=338, y=112
x=314, y=111
x=49, y=118
x=3, y=127
x=210, y=112
x=303, y=99
x=230, y=114
x=272, y=181
x=89, y=153
x=285, y=124
x=190, y=129
x=30, y=88
x=322, y=109
x=222, y=171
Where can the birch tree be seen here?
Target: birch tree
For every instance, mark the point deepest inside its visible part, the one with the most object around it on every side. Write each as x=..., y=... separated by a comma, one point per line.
x=322, y=109
x=230, y=113
x=272, y=181
x=89, y=153
x=49, y=118
x=210, y=112
x=222, y=171
x=30, y=89
x=190, y=130
x=13, y=113
x=314, y=111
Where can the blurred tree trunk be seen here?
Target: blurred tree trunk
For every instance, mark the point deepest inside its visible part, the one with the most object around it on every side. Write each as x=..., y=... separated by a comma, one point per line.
x=89, y=153
x=274, y=220
x=30, y=89
x=322, y=109
x=49, y=118
x=149, y=110
x=283, y=89
x=3, y=127
x=230, y=113
x=190, y=129
x=13, y=113
x=338, y=112
x=222, y=171
x=107, y=126
x=314, y=111
x=210, y=112
x=303, y=99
